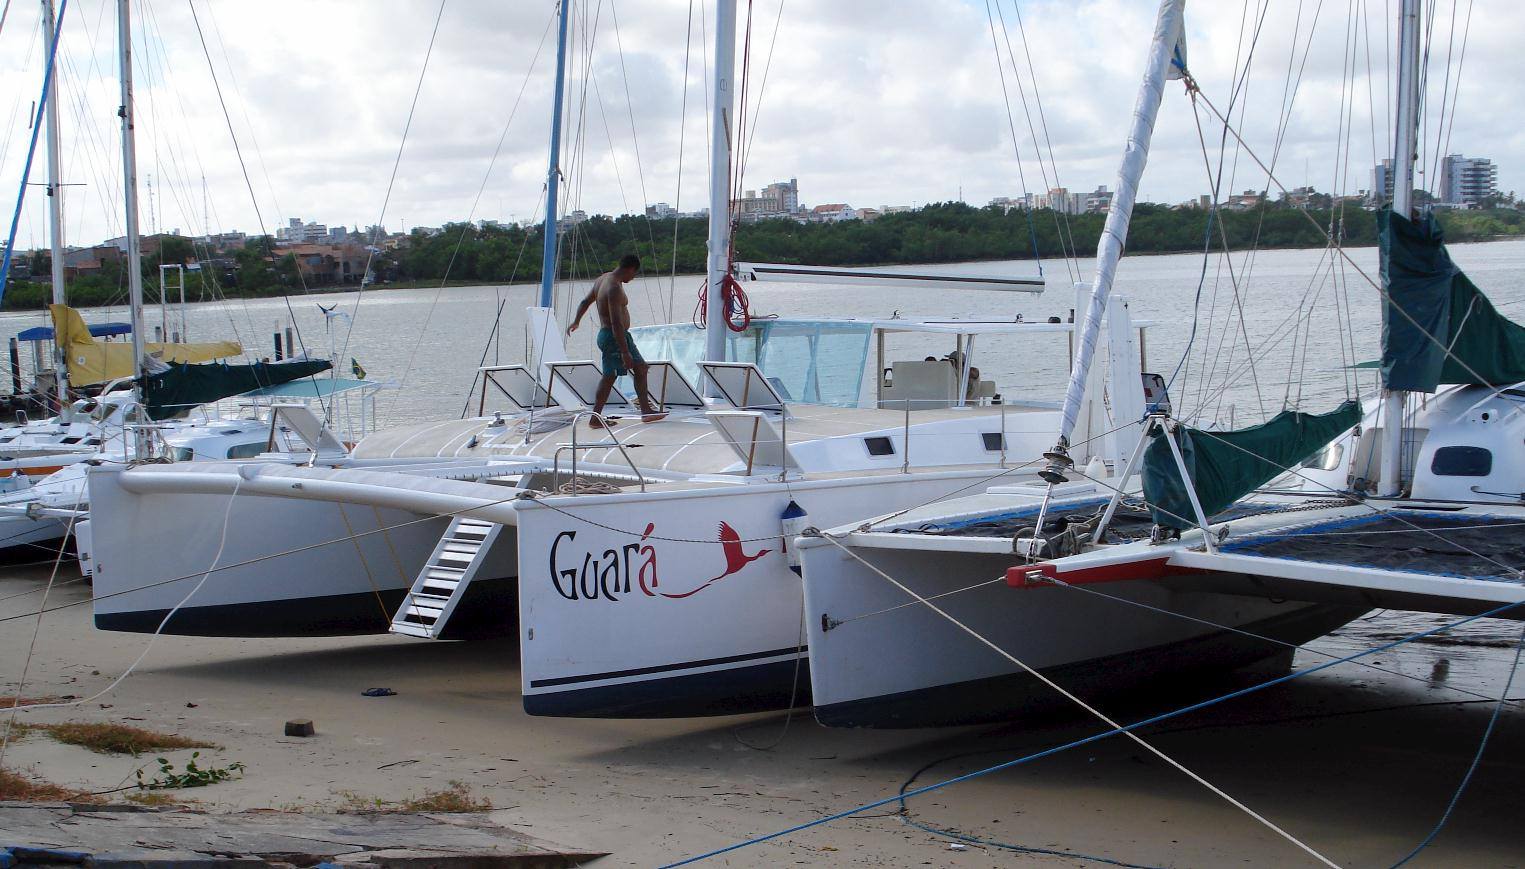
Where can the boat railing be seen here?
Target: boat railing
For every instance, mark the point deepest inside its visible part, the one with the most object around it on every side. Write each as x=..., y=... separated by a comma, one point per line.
x=575, y=447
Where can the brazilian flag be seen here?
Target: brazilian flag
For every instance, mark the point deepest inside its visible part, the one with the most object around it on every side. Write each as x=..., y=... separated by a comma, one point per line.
x=354, y=367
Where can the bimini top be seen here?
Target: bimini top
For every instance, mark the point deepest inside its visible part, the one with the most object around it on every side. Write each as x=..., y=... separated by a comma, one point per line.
x=99, y=330
x=313, y=387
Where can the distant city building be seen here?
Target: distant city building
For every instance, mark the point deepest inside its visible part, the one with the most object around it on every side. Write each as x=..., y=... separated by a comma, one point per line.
x=297, y=232
x=660, y=211
x=1098, y=200
x=1467, y=180
x=1381, y=182
x=868, y=215
x=1244, y=201
x=895, y=209
x=785, y=195
x=834, y=211
x=1005, y=203
x=1059, y=199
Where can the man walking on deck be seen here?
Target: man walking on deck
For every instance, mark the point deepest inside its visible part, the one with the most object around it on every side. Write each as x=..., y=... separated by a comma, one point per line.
x=620, y=355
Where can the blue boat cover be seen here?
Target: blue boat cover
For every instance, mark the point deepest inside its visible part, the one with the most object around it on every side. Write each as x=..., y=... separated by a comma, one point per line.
x=99, y=330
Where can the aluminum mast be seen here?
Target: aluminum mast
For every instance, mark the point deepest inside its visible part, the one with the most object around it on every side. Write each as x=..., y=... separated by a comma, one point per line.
x=721, y=138
x=1167, y=33
x=1390, y=464
x=55, y=202
x=130, y=200
x=548, y=258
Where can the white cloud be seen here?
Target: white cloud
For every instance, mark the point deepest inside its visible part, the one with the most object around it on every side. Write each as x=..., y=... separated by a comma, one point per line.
x=866, y=102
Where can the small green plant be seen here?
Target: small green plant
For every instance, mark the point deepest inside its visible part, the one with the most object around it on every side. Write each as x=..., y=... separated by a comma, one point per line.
x=193, y=776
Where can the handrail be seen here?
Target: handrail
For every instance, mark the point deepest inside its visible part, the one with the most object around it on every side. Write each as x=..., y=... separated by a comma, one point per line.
x=574, y=447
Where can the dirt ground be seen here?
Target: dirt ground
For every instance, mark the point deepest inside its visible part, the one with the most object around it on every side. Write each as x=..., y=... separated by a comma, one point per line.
x=1358, y=763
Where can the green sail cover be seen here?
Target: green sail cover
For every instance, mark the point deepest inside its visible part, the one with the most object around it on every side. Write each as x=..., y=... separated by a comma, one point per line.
x=1422, y=282
x=185, y=386
x=1226, y=466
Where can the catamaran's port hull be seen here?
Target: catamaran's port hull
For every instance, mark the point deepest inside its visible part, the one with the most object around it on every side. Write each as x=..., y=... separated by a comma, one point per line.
x=289, y=567
x=883, y=666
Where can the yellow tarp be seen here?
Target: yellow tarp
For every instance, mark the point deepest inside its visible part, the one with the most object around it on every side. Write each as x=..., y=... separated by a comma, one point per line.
x=92, y=361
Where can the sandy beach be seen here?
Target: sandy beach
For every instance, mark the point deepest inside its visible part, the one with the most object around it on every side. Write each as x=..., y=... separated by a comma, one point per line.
x=1358, y=763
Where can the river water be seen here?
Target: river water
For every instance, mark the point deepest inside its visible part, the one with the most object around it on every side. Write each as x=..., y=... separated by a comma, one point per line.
x=430, y=342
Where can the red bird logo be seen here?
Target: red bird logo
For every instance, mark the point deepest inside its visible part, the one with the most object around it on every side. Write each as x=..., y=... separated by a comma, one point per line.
x=735, y=558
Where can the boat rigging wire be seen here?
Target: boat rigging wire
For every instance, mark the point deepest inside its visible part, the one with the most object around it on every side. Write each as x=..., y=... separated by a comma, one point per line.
x=1482, y=746
x=254, y=200
x=1092, y=710
x=1097, y=737
x=26, y=173
x=392, y=179
x=1011, y=126
x=466, y=226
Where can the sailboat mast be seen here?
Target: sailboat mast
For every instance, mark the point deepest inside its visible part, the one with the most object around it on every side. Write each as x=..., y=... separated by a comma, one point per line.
x=130, y=189
x=721, y=137
x=1405, y=148
x=548, y=258
x=55, y=198
x=1167, y=33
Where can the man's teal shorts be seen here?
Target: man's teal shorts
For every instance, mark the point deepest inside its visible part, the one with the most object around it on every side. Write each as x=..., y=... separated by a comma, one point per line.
x=613, y=364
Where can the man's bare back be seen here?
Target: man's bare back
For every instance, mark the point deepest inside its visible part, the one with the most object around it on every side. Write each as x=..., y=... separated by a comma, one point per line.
x=612, y=303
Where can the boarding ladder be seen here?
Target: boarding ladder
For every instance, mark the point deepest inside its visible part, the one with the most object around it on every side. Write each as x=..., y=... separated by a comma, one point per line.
x=451, y=567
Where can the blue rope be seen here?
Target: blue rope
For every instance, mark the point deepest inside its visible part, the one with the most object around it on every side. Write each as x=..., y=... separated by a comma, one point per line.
x=1164, y=716
x=31, y=151
x=1476, y=759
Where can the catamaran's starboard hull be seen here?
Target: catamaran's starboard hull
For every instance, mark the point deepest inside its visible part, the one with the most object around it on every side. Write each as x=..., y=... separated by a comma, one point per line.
x=883, y=666
x=634, y=605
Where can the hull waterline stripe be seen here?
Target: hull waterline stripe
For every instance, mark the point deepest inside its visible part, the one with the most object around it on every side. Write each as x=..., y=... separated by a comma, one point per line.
x=665, y=668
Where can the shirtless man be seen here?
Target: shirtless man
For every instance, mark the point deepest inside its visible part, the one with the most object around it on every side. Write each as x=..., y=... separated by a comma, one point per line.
x=620, y=354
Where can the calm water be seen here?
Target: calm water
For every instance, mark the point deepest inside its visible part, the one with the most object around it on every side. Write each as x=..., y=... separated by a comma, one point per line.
x=430, y=342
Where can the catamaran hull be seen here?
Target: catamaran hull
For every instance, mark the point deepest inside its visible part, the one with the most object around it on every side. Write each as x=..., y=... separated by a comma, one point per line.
x=882, y=663
x=287, y=567
x=680, y=603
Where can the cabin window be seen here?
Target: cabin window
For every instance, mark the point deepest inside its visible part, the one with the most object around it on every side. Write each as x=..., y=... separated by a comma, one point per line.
x=994, y=441
x=246, y=451
x=1462, y=462
x=182, y=454
x=880, y=446
x=1326, y=459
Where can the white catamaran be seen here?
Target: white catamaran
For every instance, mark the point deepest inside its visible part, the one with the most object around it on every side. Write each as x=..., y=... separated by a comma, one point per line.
x=1238, y=546
x=646, y=569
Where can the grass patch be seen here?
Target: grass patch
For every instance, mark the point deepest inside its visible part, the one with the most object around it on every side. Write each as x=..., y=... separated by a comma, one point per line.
x=8, y=702
x=14, y=786
x=455, y=798
x=115, y=738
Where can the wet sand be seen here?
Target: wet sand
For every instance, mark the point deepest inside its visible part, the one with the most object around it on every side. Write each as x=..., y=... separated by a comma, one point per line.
x=1357, y=763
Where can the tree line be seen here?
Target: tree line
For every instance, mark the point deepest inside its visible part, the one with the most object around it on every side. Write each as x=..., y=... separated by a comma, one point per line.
x=943, y=232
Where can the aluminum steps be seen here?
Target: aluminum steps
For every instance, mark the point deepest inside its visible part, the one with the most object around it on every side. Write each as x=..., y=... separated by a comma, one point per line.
x=451, y=567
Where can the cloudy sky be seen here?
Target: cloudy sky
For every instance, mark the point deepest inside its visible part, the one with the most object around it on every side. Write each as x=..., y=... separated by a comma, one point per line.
x=870, y=102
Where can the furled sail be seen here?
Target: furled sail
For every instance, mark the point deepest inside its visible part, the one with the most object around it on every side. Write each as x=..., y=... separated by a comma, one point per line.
x=183, y=386
x=1437, y=326
x=1226, y=466
x=91, y=361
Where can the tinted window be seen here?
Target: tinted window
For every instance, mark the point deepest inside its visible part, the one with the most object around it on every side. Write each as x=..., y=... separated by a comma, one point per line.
x=994, y=442
x=1462, y=462
x=879, y=446
x=246, y=451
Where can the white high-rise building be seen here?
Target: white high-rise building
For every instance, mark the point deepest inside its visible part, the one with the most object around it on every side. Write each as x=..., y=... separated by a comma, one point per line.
x=1467, y=180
